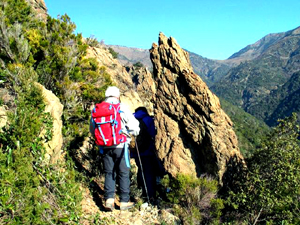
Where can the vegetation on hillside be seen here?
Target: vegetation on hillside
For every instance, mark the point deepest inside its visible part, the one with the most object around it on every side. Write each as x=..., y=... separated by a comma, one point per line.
x=194, y=200
x=209, y=70
x=267, y=86
x=268, y=191
x=48, y=52
x=249, y=130
x=31, y=192
x=113, y=53
x=281, y=102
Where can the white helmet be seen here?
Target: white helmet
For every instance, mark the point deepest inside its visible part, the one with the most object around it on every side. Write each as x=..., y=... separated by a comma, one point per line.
x=112, y=91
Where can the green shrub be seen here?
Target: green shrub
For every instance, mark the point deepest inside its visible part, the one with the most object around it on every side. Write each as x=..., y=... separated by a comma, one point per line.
x=17, y=11
x=269, y=191
x=195, y=199
x=138, y=65
x=32, y=192
x=92, y=41
x=113, y=53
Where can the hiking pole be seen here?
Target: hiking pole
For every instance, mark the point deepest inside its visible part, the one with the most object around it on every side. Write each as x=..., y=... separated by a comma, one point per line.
x=137, y=150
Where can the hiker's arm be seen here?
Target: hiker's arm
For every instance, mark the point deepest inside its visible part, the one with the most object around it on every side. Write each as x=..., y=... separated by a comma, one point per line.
x=92, y=125
x=151, y=126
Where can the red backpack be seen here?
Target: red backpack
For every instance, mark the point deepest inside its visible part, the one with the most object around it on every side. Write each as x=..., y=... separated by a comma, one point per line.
x=108, y=124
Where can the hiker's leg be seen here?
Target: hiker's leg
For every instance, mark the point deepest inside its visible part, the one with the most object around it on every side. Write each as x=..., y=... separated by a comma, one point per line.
x=109, y=185
x=149, y=174
x=139, y=174
x=123, y=173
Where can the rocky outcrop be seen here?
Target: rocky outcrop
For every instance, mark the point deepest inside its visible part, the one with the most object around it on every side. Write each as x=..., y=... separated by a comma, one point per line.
x=39, y=7
x=144, y=85
x=3, y=117
x=55, y=108
x=118, y=74
x=7, y=99
x=194, y=135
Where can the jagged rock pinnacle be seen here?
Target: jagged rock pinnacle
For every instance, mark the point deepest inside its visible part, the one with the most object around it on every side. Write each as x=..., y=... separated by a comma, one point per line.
x=194, y=135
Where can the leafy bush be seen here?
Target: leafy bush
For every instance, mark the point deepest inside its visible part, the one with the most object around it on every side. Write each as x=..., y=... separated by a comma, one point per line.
x=92, y=41
x=113, y=53
x=269, y=191
x=138, y=65
x=32, y=192
x=17, y=11
x=195, y=199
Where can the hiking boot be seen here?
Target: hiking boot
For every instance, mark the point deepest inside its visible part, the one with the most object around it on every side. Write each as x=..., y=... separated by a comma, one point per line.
x=126, y=205
x=109, y=204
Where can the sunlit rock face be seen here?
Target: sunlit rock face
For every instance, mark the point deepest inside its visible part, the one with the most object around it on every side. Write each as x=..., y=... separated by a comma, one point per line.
x=53, y=147
x=118, y=74
x=39, y=7
x=194, y=135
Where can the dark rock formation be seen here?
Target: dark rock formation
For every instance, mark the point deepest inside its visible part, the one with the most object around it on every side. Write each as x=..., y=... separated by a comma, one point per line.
x=194, y=135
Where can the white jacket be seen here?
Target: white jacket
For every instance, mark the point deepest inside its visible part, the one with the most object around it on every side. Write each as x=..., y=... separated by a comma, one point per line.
x=128, y=122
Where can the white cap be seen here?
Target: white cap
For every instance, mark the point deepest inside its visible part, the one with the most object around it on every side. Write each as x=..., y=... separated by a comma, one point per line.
x=112, y=91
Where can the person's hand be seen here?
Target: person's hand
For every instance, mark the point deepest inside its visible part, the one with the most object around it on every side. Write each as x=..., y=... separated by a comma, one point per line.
x=125, y=133
x=134, y=132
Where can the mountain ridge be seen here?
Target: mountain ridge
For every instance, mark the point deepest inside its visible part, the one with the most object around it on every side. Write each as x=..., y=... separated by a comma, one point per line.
x=211, y=70
x=129, y=55
x=252, y=82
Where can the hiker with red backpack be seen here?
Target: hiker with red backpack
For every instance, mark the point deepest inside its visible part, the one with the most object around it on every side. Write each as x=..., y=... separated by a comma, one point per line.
x=111, y=124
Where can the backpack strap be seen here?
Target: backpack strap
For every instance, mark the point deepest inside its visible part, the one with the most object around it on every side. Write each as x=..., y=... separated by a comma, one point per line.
x=92, y=120
x=113, y=123
x=126, y=155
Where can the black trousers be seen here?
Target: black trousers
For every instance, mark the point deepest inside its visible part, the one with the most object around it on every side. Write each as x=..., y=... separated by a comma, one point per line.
x=116, y=168
x=149, y=164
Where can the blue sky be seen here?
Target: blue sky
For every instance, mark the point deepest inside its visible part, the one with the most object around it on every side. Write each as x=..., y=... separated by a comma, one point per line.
x=214, y=29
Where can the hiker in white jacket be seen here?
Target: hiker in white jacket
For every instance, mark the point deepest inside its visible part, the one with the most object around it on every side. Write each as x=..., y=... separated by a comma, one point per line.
x=116, y=158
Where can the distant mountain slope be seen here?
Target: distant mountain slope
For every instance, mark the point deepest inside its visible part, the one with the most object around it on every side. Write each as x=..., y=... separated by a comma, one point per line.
x=253, y=84
x=281, y=102
x=129, y=56
x=254, y=50
x=209, y=70
x=248, y=128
